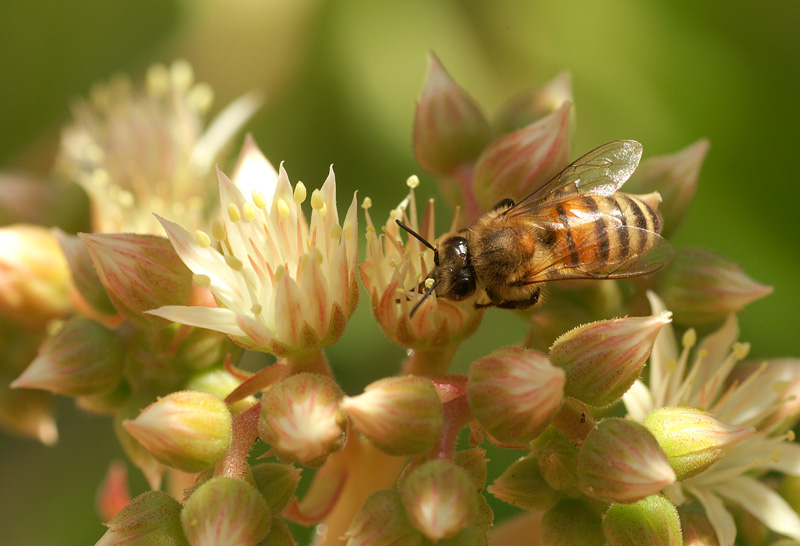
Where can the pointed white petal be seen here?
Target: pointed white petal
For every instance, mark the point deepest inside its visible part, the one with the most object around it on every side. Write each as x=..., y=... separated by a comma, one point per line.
x=212, y=318
x=717, y=346
x=717, y=514
x=254, y=172
x=764, y=503
x=788, y=461
x=638, y=401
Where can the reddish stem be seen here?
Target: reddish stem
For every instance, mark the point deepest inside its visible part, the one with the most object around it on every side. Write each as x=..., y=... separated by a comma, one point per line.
x=244, y=432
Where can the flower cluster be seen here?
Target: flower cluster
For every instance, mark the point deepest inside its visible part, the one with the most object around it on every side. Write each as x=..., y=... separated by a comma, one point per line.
x=632, y=431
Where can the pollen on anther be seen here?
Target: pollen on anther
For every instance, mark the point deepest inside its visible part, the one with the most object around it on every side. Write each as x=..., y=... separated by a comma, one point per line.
x=233, y=212
x=429, y=282
x=317, y=202
x=248, y=211
x=283, y=208
x=300, y=192
x=201, y=280
x=413, y=181
x=256, y=309
x=317, y=255
x=689, y=338
x=202, y=238
x=218, y=231
x=233, y=262
x=336, y=232
x=740, y=350
x=366, y=203
x=259, y=199
x=280, y=271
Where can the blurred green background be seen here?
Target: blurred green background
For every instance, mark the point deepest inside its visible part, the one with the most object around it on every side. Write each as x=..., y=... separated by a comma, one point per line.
x=341, y=78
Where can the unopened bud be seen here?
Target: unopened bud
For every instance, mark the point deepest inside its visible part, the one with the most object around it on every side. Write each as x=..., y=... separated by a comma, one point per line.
x=300, y=419
x=534, y=104
x=473, y=461
x=449, y=127
x=400, y=415
x=187, y=430
x=30, y=413
x=440, y=499
x=84, y=275
x=516, y=163
x=514, y=393
x=692, y=439
x=277, y=483
x=140, y=273
x=151, y=519
x=621, y=461
x=652, y=521
x=697, y=530
x=226, y=511
x=604, y=358
x=558, y=461
x=34, y=275
x=382, y=520
x=81, y=358
x=522, y=484
x=571, y=522
x=675, y=177
x=574, y=420
x=702, y=288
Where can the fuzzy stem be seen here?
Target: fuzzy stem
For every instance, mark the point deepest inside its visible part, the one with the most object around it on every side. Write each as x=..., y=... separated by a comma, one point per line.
x=310, y=362
x=243, y=433
x=430, y=362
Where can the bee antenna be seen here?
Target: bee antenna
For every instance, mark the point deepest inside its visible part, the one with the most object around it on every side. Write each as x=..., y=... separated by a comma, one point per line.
x=417, y=236
x=424, y=297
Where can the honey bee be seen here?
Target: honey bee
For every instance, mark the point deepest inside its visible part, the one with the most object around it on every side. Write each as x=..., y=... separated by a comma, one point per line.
x=576, y=226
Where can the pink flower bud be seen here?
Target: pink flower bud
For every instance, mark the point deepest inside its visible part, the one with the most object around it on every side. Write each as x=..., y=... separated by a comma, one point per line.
x=516, y=163
x=81, y=358
x=603, y=359
x=140, y=273
x=522, y=484
x=440, y=499
x=692, y=439
x=652, y=521
x=277, y=483
x=226, y=511
x=697, y=530
x=674, y=177
x=534, y=104
x=34, y=277
x=449, y=127
x=574, y=420
x=702, y=288
x=188, y=430
x=514, y=393
x=571, y=522
x=151, y=519
x=382, y=520
x=621, y=461
x=300, y=419
x=84, y=274
x=400, y=415
x=558, y=460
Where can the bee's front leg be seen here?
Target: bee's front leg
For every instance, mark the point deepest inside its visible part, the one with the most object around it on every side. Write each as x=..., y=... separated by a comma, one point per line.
x=526, y=303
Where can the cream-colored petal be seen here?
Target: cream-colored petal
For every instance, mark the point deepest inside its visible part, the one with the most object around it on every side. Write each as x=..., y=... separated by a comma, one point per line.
x=638, y=401
x=764, y=503
x=717, y=514
x=787, y=461
x=253, y=171
x=212, y=318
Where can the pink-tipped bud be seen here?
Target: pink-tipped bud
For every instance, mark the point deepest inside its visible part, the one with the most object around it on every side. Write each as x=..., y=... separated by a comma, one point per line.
x=534, y=104
x=571, y=522
x=140, y=273
x=29, y=413
x=113, y=494
x=558, y=460
x=522, y=484
x=34, y=277
x=673, y=176
x=83, y=357
x=621, y=461
x=300, y=419
x=698, y=531
x=603, y=359
x=449, y=126
x=702, y=288
x=516, y=163
x=187, y=430
x=84, y=275
x=277, y=483
x=151, y=519
x=226, y=511
x=400, y=415
x=440, y=499
x=692, y=439
x=382, y=520
x=514, y=393
x=652, y=521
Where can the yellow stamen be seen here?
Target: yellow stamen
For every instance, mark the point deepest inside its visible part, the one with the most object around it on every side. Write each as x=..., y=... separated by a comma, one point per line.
x=259, y=199
x=336, y=232
x=201, y=97
x=366, y=203
x=233, y=262
x=202, y=238
x=256, y=309
x=283, y=209
x=413, y=181
x=300, y=193
x=233, y=212
x=689, y=338
x=201, y=280
x=181, y=74
x=218, y=231
x=248, y=211
x=317, y=202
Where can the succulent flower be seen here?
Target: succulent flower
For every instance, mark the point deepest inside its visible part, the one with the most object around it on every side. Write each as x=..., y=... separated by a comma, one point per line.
x=139, y=151
x=151, y=519
x=652, y=521
x=283, y=285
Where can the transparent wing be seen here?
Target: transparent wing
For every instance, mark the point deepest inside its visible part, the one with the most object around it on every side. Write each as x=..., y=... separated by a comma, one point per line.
x=615, y=260
x=600, y=172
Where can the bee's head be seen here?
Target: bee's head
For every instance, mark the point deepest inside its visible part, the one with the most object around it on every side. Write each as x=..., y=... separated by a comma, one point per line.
x=452, y=274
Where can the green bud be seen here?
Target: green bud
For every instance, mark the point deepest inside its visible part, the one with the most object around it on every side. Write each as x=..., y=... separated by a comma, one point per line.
x=84, y=275
x=558, y=461
x=277, y=483
x=473, y=461
x=382, y=520
x=83, y=357
x=400, y=415
x=187, y=430
x=621, y=461
x=151, y=519
x=692, y=439
x=652, y=521
x=523, y=485
x=226, y=511
x=603, y=359
x=697, y=530
x=571, y=522
x=514, y=393
x=534, y=104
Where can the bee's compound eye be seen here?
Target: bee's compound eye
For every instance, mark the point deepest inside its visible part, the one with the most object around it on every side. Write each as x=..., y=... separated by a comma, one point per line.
x=461, y=289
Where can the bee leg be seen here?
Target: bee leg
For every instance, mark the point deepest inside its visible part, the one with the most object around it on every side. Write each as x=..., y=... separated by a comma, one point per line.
x=503, y=204
x=522, y=304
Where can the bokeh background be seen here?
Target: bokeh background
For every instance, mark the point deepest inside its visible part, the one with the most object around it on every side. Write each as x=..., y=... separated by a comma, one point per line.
x=341, y=78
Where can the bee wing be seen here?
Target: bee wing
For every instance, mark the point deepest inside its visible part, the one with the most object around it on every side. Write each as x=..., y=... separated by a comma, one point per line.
x=619, y=262
x=600, y=172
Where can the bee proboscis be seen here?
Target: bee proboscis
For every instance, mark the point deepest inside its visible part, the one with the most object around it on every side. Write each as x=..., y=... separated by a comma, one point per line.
x=576, y=226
